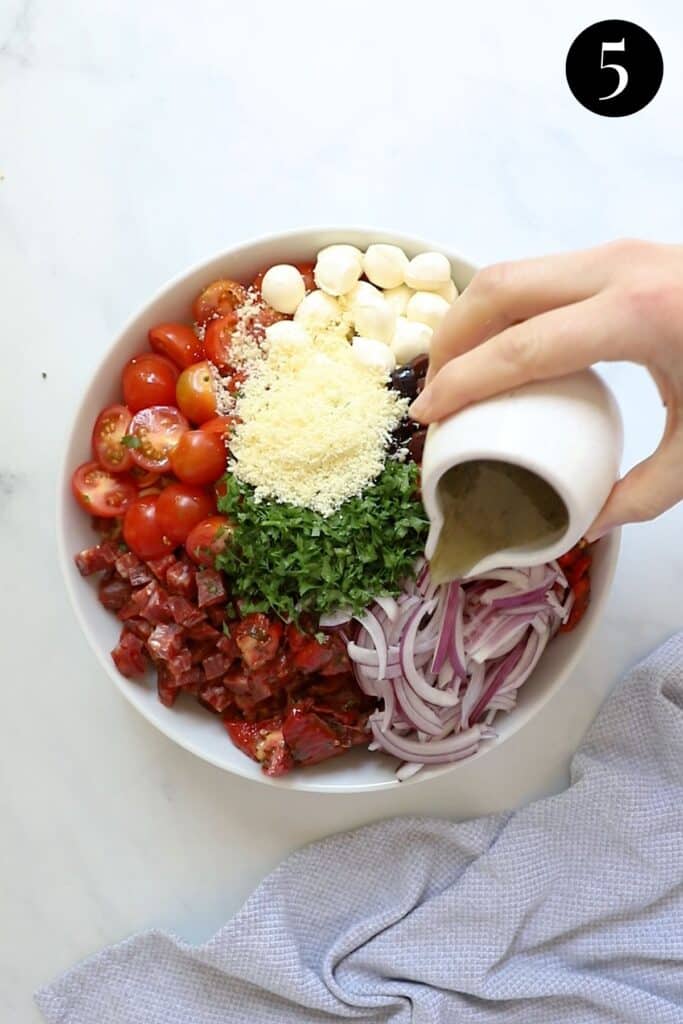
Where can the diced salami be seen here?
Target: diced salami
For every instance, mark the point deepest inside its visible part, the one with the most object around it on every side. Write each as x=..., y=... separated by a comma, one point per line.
x=96, y=559
x=192, y=680
x=114, y=593
x=129, y=655
x=130, y=610
x=184, y=612
x=129, y=567
x=203, y=631
x=140, y=627
x=181, y=663
x=180, y=579
x=237, y=681
x=216, y=615
x=157, y=609
x=227, y=646
x=215, y=696
x=210, y=589
x=160, y=566
x=165, y=641
x=167, y=690
x=142, y=596
x=215, y=665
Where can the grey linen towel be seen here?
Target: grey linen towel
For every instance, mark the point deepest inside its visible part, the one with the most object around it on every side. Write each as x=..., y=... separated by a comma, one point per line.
x=570, y=910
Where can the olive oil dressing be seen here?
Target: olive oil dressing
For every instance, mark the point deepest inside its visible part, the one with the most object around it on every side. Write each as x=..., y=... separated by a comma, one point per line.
x=489, y=506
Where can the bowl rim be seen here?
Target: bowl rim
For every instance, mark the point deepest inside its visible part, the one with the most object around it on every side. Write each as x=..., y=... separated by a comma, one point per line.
x=295, y=782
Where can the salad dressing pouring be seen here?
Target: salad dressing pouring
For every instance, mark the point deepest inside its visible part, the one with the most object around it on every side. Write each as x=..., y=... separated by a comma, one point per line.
x=489, y=506
x=516, y=480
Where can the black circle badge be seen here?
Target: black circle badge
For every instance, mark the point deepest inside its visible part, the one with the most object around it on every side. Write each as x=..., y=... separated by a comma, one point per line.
x=614, y=68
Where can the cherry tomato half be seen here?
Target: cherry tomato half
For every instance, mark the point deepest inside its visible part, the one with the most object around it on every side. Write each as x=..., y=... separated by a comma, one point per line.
x=154, y=434
x=180, y=508
x=221, y=425
x=111, y=426
x=177, y=342
x=208, y=539
x=147, y=380
x=218, y=339
x=218, y=299
x=142, y=531
x=101, y=493
x=195, y=392
x=199, y=458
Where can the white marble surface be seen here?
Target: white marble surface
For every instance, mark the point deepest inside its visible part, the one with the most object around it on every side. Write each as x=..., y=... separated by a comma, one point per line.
x=133, y=144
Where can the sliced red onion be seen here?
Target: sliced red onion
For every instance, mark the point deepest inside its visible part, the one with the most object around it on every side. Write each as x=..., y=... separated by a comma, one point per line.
x=407, y=770
x=447, y=627
x=440, y=657
x=496, y=676
x=389, y=606
x=523, y=597
x=432, y=751
x=376, y=633
x=412, y=674
x=418, y=713
x=472, y=693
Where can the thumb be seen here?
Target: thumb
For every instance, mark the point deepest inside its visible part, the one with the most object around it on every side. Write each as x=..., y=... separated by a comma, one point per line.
x=650, y=488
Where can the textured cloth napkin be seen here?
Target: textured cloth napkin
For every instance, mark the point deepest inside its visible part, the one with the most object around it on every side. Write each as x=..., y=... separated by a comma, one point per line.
x=569, y=911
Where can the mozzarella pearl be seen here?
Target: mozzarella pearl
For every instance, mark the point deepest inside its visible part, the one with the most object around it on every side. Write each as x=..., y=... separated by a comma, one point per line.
x=348, y=250
x=449, y=292
x=317, y=310
x=283, y=287
x=337, y=270
x=411, y=339
x=398, y=298
x=385, y=265
x=428, y=271
x=374, y=353
x=375, y=319
x=362, y=293
x=427, y=308
x=287, y=332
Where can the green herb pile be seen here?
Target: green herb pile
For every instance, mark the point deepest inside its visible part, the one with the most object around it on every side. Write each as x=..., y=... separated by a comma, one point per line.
x=293, y=560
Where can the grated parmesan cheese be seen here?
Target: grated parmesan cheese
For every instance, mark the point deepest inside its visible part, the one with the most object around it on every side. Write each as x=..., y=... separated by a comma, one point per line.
x=315, y=421
x=246, y=349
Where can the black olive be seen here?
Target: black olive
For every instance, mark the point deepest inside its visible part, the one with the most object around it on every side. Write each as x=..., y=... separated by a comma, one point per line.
x=404, y=380
x=419, y=365
x=416, y=445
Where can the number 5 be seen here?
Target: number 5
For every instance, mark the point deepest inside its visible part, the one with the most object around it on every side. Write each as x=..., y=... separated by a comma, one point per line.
x=620, y=70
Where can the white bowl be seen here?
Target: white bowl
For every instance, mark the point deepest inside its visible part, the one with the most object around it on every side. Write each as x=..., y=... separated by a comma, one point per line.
x=189, y=725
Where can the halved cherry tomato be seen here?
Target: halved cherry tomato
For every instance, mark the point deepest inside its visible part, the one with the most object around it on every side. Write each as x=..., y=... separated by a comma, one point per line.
x=218, y=299
x=217, y=340
x=144, y=477
x=142, y=531
x=155, y=432
x=101, y=493
x=148, y=380
x=111, y=426
x=199, y=458
x=208, y=539
x=221, y=425
x=177, y=342
x=195, y=392
x=180, y=508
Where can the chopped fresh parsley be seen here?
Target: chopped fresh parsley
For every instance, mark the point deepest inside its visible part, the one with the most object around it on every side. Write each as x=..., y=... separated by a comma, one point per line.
x=293, y=560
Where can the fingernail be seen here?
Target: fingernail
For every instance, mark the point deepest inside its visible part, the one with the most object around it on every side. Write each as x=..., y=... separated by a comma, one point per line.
x=420, y=406
x=597, y=533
